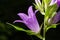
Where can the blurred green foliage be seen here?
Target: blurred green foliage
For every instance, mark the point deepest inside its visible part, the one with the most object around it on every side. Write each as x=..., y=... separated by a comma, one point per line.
x=5, y=31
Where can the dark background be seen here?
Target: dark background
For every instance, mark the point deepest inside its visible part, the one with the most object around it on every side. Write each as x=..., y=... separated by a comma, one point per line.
x=8, y=13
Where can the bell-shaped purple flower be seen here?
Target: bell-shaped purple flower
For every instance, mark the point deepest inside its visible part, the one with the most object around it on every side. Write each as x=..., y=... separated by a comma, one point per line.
x=55, y=19
x=29, y=20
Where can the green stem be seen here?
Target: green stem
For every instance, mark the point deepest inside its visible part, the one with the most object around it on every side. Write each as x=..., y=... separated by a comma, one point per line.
x=44, y=31
x=44, y=28
x=43, y=38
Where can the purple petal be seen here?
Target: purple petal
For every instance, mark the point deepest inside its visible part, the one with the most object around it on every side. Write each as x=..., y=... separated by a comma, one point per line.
x=18, y=21
x=53, y=2
x=56, y=18
x=32, y=24
x=23, y=16
x=30, y=11
x=58, y=2
x=36, y=11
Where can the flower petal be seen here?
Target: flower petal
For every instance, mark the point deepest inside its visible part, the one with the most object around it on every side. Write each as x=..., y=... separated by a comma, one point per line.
x=30, y=11
x=56, y=18
x=33, y=25
x=36, y=11
x=53, y=2
x=18, y=21
x=23, y=16
x=58, y=2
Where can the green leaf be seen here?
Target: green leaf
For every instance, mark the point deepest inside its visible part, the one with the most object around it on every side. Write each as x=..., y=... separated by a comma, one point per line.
x=52, y=26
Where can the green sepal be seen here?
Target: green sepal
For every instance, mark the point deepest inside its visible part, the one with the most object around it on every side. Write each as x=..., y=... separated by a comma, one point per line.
x=29, y=32
x=16, y=27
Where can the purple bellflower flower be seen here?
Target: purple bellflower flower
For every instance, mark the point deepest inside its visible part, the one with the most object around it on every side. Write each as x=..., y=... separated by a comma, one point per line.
x=55, y=19
x=29, y=20
x=55, y=2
